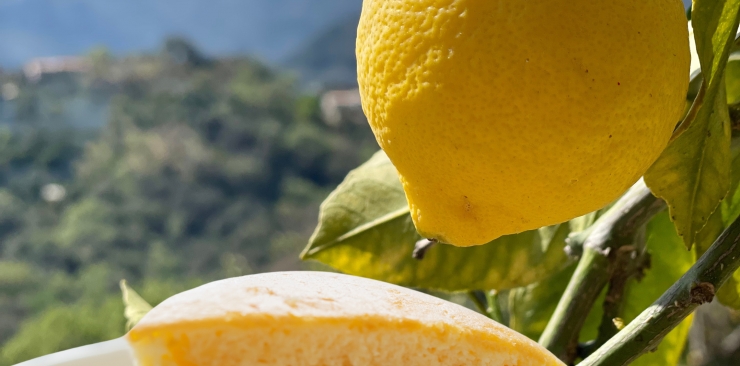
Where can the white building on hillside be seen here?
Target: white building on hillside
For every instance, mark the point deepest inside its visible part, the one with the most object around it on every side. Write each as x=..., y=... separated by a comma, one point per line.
x=35, y=69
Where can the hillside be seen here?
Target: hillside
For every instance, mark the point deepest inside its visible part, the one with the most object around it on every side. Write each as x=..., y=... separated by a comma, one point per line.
x=201, y=170
x=328, y=59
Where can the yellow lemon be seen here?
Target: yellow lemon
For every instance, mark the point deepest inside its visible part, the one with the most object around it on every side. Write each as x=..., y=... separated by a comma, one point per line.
x=315, y=318
x=506, y=115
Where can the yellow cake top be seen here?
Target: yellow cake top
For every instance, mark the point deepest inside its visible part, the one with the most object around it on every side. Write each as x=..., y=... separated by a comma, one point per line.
x=316, y=300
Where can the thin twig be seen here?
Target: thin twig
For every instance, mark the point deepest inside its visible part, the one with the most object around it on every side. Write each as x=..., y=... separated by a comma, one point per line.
x=629, y=265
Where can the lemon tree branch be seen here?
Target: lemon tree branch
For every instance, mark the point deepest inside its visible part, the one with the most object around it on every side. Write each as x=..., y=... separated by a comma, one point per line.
x=602, y=248
x=696, y=287
x=630, y=263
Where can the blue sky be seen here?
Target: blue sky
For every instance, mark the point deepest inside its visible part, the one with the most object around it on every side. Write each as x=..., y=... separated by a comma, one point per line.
x=270, y=28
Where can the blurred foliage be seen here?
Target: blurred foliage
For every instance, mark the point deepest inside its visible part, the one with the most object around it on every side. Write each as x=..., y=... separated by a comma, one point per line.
x=196, y=169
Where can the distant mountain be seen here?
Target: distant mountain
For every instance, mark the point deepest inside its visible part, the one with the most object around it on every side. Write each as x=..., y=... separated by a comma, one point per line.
x=328, y=59
x=270, y=29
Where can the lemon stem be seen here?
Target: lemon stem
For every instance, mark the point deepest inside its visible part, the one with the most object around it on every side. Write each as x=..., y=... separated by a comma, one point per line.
x=421, y=247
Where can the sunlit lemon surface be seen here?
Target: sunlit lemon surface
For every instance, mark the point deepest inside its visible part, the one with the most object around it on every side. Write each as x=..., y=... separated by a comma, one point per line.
x=507, y=115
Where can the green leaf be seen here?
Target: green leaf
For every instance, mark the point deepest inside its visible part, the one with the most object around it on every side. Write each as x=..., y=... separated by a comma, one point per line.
x=584, y=222
x=732, y=79
x=669, y=261
x=715, y=24
x=532, y=306
x=693, y=173
x=729, y=293
x=711, y=231
x=730, y=207
x=135, y=306
x=365, y=229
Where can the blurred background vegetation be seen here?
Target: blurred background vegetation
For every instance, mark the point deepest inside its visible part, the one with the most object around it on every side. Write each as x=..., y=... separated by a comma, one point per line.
x=170, y=169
